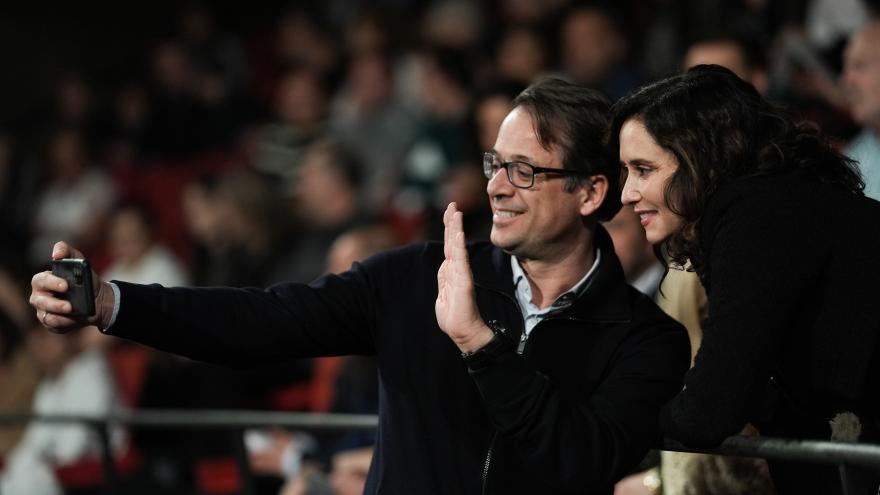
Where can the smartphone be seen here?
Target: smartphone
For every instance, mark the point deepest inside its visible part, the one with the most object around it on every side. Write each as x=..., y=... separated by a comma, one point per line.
x=80, y=293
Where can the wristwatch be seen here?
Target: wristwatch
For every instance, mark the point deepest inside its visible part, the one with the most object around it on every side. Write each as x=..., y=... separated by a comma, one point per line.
x=499, y=344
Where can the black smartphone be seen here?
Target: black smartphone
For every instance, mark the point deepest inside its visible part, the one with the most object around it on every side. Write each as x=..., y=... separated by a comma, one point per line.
x=80, y=293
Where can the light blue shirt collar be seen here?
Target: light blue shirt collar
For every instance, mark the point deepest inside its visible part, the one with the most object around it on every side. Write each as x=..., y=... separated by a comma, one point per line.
x=531, y=313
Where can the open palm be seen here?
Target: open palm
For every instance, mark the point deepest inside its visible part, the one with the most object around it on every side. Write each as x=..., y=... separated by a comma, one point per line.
x=456, y=306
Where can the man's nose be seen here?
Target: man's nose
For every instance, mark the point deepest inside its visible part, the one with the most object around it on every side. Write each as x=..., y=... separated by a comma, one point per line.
x=499, y=184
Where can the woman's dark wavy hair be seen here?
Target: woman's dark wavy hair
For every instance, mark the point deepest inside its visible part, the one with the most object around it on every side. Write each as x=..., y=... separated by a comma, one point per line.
x=720, y=129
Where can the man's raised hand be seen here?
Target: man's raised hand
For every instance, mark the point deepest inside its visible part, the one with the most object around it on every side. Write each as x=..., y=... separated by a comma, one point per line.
x=456, y=305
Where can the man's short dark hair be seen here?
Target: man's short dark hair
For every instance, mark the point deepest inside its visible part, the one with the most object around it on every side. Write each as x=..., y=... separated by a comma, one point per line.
x=574, y=118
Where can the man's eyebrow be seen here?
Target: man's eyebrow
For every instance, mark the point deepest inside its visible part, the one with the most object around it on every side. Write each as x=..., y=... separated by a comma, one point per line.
x=513, y=157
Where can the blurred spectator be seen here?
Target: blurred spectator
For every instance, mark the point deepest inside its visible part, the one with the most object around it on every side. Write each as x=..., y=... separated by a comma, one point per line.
x=492, y=104
x=75, y=105
x=830, y=21
x=74, y=204
x=256, y=228
x=354, y=390
x=301, y=110
x=861, y=83
x=444, y=88
x=732, y=52
x=126, y=127
x=18, y=183
x=640, y=265
x=304, y=40
x=18, y=375
x=136, y=254
x=371, y=31
x=529, y=11
x=349, y=473
x=204, y=225
x=209, y=50
x=595, y=50
x=452, y=24
x=74, y=382
x=327, y=201
x=347, y=476
x=176, y=120
x=368, y=118
x=521, y=55
x=310, y=482
x=465, y=183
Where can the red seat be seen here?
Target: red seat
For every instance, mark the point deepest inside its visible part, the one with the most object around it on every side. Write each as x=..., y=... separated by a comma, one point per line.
x=217, y=476
x=89, y=473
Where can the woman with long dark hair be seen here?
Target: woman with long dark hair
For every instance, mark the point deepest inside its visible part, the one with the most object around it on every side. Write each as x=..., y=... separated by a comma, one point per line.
x=774, y=222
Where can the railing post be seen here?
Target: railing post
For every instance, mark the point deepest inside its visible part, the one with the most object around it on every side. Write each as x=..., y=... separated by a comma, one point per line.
x=111, y=481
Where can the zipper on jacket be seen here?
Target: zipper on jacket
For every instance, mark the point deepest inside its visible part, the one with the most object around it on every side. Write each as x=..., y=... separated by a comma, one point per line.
x=524, y=337
x=522, y=341
x=487, y=463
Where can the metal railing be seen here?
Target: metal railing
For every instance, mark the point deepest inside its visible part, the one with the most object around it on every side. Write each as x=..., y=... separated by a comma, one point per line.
x=851, y=457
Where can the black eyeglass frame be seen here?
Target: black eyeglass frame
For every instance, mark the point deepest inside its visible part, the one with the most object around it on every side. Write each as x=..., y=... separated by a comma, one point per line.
x=489, y=159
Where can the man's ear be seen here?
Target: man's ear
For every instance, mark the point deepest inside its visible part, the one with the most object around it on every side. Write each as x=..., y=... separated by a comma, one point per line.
x=593, y=191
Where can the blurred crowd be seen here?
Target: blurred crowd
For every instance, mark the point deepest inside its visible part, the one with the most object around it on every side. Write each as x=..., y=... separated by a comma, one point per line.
x=337, y=130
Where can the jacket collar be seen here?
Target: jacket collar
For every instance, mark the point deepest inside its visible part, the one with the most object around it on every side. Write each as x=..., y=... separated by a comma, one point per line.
x=607, y=298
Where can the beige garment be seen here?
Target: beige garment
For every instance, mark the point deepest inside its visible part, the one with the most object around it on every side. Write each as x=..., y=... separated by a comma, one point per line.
x=683, y=298
x=18, y=380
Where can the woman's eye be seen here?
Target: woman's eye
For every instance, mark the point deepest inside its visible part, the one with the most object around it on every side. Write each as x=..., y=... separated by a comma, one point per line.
x=642, y=170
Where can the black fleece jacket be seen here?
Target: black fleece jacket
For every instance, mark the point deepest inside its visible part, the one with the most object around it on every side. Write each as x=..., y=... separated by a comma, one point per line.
x=572, y=414
x=791, y=273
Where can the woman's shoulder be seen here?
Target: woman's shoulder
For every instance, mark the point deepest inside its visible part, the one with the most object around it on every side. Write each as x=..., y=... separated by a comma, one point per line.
x=780, y=195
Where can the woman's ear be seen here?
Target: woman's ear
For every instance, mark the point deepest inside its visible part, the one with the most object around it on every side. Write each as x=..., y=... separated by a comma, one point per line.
x=593, y=191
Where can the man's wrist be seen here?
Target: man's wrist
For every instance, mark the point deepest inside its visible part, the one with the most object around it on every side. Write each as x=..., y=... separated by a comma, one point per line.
x=499, y=344
x=477, y=340
x=106, y=305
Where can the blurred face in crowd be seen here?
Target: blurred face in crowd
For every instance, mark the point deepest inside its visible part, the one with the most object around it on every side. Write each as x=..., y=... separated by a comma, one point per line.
x=370, y=81
x=172, y=68
x=723, y=53
x=301, y=102
x=648, y=169
x=590, y=46
x=521, y=55
x=861, y=76
x=129, y=236
x=349, y=473
x=200, y=214
x=490, y=113
x=544, y=220
x=729, y=54
x=632, y=247
x=68, y=156
x=316, y=181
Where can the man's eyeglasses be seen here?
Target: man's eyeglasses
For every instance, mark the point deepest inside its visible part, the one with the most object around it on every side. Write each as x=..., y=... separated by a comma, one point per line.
x=521, y=174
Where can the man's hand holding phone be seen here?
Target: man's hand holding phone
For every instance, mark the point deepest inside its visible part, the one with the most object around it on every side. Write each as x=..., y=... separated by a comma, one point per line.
x=70, y=296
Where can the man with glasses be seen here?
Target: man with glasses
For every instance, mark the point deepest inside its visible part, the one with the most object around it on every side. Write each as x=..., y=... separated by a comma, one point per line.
x=526, y=366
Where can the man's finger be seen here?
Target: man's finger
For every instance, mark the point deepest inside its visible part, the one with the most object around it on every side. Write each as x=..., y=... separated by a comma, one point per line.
x=447, y=238
x=48, y=282
x=59, y=323
x=46, y=301
x=63, y=250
